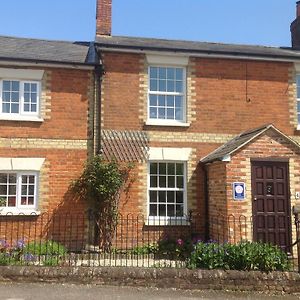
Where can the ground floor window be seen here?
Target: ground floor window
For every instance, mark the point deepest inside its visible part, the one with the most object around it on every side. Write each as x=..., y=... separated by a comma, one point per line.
x=18, y=190
x=167, y=189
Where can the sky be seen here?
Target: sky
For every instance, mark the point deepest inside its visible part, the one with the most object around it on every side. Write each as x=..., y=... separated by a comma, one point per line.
x=255, y=22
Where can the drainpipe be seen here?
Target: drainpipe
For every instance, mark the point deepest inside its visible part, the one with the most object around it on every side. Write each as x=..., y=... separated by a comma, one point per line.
x=99, y=72
x=206, y=202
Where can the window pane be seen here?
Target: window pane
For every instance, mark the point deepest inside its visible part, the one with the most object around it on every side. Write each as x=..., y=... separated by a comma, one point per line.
x=153, y=196
x=3, y=190
x=6, y=107
x=178, y=101
x=180, y=182
x=30, y=200
x=170, y=86
x=33, y=87
x=170, y=101
x=3, y=178
x=171, y=197
x=26, y=87
x=298, y=106
x=170, y=113
x=31, y=179
x=23, y=201
x=153, y=85
x=11, y=201
x=33, y=107
x=6, y=85
x=179, y=74
x=15, y=97
x=12, y=190
x=162, y=181
x=6, y=96
x=153, y=210
x=153, y=100
x=26, y=97
x=179, y=210
x=153, y=113
x=171, y=181
x=179, y=197
x=161, y=101
x=162, y=210
x=162, y=168
x=161, y=113
x=171, y=169
x=153, y=181
x=178, y=114
x=179, y=87
x=153, y=168
x=162, y=196
x=171, y=210
x=15, y=85
x=34, y=98
x=162, y=86
x=171, y=73
x=24, y=190
x=153, y=72
x=179, y=169
x=162, y=73
x=26, y=107
x=12, y=178
x=31, y=190
x=15, y=108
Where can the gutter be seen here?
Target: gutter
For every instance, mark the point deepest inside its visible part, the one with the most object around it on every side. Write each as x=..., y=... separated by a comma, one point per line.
x=99, y=72
x=206, y=203
x=199, y=53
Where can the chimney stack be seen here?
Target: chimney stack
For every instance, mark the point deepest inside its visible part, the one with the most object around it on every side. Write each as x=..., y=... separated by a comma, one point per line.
x=103, y=17
x=295, y=28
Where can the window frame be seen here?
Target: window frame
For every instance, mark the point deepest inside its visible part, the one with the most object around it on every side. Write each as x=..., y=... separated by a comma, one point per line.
x=22, y=115
x=168, y=122
x=19, y=208
x=163, y=220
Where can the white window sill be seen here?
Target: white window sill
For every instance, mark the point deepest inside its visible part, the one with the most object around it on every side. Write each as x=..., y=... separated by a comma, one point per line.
x=298, y=127
x=167, y=222
x=18, y=212
x=166, y=123
x=20, y=118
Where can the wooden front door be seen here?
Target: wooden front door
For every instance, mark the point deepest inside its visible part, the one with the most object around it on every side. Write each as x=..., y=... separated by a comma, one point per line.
x=271, y=203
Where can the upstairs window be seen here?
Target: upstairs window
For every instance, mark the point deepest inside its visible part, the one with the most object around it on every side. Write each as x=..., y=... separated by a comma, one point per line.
x=166, y=93
x=298, y=98
x=19, y=98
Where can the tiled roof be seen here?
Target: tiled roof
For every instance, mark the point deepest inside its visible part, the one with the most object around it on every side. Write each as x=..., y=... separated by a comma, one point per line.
x=192, y=47
x=25, y=49
x=240, y=141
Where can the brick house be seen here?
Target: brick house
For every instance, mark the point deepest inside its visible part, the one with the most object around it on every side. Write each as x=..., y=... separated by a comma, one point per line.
x=47, y=130
x=200, y=109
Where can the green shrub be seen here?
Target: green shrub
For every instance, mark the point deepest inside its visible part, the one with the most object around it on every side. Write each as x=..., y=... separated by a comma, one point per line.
x=48, y=248
x=145, y=249
x=175, y=248
x=242, y=256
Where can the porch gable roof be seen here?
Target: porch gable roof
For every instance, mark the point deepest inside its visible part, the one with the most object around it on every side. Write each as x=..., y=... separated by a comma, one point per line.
x=223, y=153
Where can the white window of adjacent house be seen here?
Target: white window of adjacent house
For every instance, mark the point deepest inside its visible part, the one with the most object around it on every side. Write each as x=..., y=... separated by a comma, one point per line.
x=167, y=94
x=167, y=189
x=19, y=98
x=18, y=190
x=298, y=99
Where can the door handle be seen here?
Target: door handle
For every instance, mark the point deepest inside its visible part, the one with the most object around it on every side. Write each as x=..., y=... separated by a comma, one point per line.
x=255, y=198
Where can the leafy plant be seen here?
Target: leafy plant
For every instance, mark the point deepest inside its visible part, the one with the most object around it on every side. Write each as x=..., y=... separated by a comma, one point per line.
x=100, y=184
x=145, y=249
x=175, y=248
x=49, y=248
x=242, y=256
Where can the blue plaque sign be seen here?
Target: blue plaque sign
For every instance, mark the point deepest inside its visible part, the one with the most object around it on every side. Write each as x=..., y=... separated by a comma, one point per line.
x=239, y=190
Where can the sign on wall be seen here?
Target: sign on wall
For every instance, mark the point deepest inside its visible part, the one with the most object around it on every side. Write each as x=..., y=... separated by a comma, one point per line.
x=239, y=190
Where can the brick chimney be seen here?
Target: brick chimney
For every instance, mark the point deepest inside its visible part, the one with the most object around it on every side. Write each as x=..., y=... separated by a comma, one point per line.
x=103, y=17
x=295, y=28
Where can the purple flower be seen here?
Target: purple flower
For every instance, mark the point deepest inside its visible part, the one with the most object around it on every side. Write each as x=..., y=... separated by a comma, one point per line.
x=29, y=257
x=180, y=242
x=20, y=244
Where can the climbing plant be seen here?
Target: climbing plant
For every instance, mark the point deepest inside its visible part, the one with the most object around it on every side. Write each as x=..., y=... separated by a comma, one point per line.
x=101, y=183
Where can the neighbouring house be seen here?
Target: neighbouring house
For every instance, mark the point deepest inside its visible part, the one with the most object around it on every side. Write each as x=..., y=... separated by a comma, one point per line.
x=221, y=126
x=47, y=96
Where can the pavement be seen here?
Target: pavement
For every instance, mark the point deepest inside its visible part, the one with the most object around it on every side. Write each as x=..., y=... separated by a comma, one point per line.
x=42, y=291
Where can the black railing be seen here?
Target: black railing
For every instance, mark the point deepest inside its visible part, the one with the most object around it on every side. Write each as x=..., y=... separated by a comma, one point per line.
x=90, y=239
